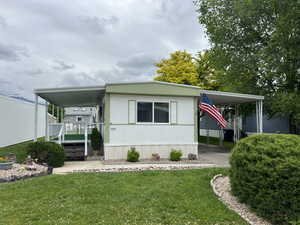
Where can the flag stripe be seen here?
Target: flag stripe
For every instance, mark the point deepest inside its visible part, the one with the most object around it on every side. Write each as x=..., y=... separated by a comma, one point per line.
x=216, y=117
x=208, y=107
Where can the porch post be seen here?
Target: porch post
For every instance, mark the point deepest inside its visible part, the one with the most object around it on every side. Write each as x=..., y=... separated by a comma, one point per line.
x=207, y=130
x=36, y=118
x=52, y=109
x=221, y=132
x=61, y=114
x=261, y=117
x=234, y=125
x=57, y=114
x=46, y=122
x=257, y=117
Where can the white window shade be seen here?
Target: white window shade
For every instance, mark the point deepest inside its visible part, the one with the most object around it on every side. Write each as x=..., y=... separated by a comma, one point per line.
x=173, y=112
x=131, y=111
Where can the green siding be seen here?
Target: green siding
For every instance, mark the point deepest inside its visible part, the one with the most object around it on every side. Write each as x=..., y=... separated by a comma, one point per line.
x=152, y=89
x=106, y=117
x=196, y=120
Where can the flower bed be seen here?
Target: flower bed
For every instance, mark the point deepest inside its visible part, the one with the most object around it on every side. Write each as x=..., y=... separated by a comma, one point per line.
x=5, y=164
x=22, y=171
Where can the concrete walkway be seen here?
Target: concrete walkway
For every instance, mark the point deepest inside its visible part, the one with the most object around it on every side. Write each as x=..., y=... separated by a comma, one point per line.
x=209, y=158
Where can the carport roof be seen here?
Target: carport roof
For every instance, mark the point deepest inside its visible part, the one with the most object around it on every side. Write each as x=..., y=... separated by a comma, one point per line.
x=92, y=95
x=72, y=96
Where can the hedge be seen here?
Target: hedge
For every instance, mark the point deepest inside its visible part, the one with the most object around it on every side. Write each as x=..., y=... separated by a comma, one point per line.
x=47, y=152
x=265, y=174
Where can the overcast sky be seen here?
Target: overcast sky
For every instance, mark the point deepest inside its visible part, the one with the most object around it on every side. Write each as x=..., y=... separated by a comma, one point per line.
x=54, y=43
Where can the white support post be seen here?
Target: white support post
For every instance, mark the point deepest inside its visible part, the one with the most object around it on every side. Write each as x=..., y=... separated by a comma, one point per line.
x=237, y=123
x=36, y=118
x=207, y=130
x=261, y=117
x=61, y=115
x=85, y=141
x=46, y=122
x=234, y=125
x=57, y=114
x=221, y=133
x=52, y=109
x=97, y=117
x=257, y=115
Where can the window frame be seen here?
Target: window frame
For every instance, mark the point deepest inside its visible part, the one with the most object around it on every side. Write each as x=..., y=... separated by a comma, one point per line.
x=153, y=106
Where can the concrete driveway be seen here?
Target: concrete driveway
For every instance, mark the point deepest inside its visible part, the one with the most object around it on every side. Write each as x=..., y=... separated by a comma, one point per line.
x=214, y=154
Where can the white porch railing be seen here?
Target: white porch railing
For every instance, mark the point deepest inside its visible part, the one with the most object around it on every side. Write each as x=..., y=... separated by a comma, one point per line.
x=58, y=131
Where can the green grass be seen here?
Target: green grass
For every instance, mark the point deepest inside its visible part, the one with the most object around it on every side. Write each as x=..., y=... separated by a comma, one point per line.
x=216, y=141
x=150, y=197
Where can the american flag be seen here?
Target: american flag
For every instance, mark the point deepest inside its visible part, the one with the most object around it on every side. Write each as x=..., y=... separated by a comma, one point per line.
x=207, y=106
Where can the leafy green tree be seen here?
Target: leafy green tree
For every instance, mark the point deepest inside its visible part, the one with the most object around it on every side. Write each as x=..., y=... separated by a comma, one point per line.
x=257, y=45
x=183, y=68
x=179, y=68
x=208, y=75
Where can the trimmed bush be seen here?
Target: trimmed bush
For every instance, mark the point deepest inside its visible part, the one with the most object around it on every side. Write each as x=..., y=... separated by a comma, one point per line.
x=265, y=174
x=46, y=152
x=96, y=139
x=155, y=157
x=133, y=155
x=175, y=155
x=192, y=156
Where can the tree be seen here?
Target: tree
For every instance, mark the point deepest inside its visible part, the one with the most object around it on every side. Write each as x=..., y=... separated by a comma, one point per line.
x=183, y=68
x=257, y=45
x=208, y=75
x=179, y=68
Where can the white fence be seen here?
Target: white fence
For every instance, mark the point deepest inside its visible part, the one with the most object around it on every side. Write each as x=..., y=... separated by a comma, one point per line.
x=17, y=121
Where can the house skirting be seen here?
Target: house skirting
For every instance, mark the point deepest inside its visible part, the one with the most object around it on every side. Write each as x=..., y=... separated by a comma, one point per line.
x=114, y=152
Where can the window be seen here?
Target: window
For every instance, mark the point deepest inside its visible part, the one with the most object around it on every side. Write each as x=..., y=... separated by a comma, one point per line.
x=79, y=119
x=161, y=112
x=153, y=112
x=145, y=111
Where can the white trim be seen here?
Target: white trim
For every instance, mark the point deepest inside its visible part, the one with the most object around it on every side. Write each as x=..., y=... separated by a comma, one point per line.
x=202, y=91
x=103, y=88
x=153, y=104
x=69, y=89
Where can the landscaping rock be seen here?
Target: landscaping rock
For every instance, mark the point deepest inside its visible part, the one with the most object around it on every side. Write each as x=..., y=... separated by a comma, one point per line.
x=221, y=187
x=22, y=171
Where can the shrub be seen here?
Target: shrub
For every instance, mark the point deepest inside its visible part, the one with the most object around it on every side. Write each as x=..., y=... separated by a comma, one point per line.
x=192, y=156
x=95, y=139
x=46, y=152
x=265, y=174
x=133, y=155
x=175, y=155
x=155, y=157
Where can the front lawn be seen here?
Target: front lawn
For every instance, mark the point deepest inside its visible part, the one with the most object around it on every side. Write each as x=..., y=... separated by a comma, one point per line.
x=151, y=197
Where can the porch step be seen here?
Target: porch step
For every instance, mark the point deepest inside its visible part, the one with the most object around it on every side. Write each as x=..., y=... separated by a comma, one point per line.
x=93, y=158
x=74, y=151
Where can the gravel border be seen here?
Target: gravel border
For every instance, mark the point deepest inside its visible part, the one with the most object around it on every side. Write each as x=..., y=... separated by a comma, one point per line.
x=161, y=161
x=221, y=187
x=137, y=169
x=22, y=171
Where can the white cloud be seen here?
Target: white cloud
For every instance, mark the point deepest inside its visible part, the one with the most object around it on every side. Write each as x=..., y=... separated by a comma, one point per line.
x=54, y=43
